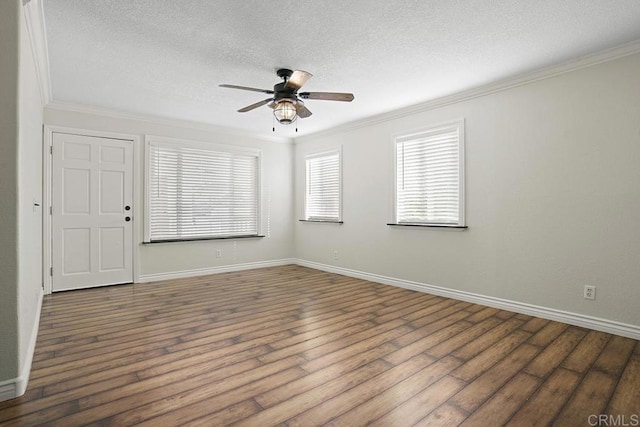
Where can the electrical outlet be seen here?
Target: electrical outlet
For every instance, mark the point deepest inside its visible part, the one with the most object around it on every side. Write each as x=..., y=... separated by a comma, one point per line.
x=335, y=254
x=590, y=292
x=218, y=253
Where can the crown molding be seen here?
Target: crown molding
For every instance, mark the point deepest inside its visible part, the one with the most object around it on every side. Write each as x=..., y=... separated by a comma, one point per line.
x=35, y=25
x=574, y=64
x=147, y=118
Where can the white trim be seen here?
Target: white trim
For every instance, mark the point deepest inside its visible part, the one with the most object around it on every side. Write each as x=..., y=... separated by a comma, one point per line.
x=154, y=277
x=596, y=323
x=148, y=118
x=47, y=142
x=574, y=64
x=35, y=25
x=8, y=389
x=21, y=384
x=16, y=387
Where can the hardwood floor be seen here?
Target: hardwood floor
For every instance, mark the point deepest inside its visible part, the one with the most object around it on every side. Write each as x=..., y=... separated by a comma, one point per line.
x=300, y=347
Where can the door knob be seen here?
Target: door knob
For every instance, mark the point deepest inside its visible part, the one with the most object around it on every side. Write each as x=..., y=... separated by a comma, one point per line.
x=127, y=208
x=127, y=218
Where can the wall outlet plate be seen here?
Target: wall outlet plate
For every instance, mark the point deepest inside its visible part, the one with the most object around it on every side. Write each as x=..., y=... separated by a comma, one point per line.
x=590, y=292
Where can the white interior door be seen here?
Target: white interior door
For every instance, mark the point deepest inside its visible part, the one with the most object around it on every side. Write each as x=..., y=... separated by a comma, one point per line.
x=91, y=219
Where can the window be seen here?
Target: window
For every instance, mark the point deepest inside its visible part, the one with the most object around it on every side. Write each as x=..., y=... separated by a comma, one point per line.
x=430, y=177
x=323, y=188
x=200, y=191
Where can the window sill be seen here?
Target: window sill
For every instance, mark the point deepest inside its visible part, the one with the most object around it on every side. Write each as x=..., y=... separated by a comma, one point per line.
x=462, y=227
x=198, y=239
x=321, y=220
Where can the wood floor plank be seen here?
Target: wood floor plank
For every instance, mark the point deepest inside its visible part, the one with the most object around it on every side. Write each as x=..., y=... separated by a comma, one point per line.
x=590, y=397
x=543, y=407
x=586, y=352
x=436, y=321
x=615, y=355
x=502, y=405
x=378, y=405
x=535, y=324
x=340, y=336
x=289, y=345
x=453, y=343
x=353, y=349
x=329, y=407
x=456, y=309
x=319, y=377
x=224, y=417
x=338, y=323
x=197, y=403
x=160, y=396
x=486, y=340
x=473, y=395
x=555, y=352
x=422, y=404
x=626, y=398
x=445, y=416
x=485, y=360
x=47, y=402
x=303, y=402
x=425, y=343
x=547, y=334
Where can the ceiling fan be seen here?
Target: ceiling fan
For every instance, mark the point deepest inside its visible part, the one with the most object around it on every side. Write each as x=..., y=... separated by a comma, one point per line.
x=285, y=101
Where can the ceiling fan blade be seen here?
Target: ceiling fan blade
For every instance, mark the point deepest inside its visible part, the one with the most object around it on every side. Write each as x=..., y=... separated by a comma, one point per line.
x=253, y=89
x=303, y=112
x=254, y=106
x=327, y=96
x=298, y=79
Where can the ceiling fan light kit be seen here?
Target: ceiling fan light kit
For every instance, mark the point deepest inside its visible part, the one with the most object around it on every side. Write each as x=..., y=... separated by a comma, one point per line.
x=285, y=101
x=285, y=111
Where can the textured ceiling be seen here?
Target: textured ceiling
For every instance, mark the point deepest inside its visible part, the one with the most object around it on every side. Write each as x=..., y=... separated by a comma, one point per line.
x=167, y=57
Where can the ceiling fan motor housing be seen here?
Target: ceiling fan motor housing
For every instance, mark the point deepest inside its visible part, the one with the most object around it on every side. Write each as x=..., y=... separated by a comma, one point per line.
x=284, y=73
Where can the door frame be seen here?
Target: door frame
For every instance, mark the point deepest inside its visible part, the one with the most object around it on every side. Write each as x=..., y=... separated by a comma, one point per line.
x=47, y=183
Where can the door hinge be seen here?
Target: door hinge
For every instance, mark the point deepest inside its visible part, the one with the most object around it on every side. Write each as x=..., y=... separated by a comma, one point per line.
x=50, y=210
x=51, y=271
x=51, y=149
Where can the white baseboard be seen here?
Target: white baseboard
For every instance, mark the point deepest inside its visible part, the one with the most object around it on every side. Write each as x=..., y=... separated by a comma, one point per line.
x=16, y=387
x=154, y=277
x=8, y=390
x=604, y=325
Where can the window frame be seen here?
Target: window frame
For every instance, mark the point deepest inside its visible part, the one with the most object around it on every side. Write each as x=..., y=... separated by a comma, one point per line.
x=208, y=146
x=415, y=134
x=315, y=155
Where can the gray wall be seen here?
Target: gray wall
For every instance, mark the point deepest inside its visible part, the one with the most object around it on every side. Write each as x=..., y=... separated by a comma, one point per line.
x=20, y=186
x=9, y=52
x=553, y=195
x=277, y=173
x=29, y=191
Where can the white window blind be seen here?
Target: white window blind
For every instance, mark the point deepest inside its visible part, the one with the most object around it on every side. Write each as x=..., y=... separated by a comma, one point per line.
x=322, y=198
x=198, y=192
x=429, y=176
